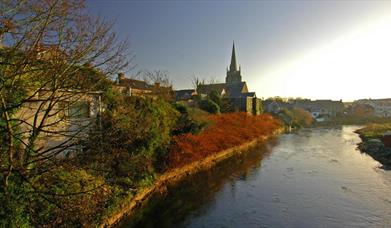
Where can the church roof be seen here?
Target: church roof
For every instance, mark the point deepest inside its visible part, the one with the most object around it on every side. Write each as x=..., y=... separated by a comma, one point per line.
x=249, y=94
x=232, y=90
x=208, y=88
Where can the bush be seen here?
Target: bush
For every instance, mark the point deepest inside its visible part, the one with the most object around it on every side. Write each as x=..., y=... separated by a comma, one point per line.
x=228, y=130
x=186, y=122
x=137, y=134
x=209, y=106
x=296, y=117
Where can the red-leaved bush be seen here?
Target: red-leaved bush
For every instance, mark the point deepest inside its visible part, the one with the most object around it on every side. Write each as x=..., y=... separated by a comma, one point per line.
x=228, y=130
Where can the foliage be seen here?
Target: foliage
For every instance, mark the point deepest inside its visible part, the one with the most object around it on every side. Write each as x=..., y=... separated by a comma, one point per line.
x=358, y=120
x=52, y=55
x=215, y=97
x=296, y=117
x=209, y=106
x=373, y=131
x=63, y=197
x=137, y=135
x=186, y=122
x=228, y=130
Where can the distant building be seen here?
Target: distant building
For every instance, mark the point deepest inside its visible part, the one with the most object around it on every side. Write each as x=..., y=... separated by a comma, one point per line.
x=381, y=107
x=320, y=108
x=134, y=87
x=234, y=89
x=185, y=94
x=274, y=106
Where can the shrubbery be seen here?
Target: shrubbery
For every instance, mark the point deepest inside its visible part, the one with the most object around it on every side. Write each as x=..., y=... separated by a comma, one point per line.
x=227, y=130
x=137, y=132
x=187, y=122
x=296, y=117
x=209, y=106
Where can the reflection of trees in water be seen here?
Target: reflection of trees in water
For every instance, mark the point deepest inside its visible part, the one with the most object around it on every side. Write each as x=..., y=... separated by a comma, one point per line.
x=191, y=195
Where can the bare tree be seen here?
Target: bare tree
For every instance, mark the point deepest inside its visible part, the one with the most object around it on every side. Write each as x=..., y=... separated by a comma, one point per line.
x=53, y=57
x=213, y=80
x=156, y=76
x=196, y=81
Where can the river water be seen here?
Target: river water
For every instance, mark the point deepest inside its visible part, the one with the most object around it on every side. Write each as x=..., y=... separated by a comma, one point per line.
x=312, y=178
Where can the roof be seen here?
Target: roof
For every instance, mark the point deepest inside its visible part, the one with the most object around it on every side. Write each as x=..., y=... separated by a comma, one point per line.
x=208, y=88
x=249, y=94
x=232, y=89
x=135, y=84
x=184, y=94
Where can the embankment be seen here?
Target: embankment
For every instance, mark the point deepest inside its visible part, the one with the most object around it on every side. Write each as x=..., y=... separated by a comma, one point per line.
x=372, y=143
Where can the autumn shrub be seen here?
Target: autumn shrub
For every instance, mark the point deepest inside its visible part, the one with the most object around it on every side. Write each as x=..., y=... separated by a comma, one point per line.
x=228, y=130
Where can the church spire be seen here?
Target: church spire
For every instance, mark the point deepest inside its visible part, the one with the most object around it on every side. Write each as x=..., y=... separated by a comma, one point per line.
x=233, y=74
x=233, y=66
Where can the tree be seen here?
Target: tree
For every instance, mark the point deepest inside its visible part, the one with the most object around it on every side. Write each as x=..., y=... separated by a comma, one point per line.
x=161, y=82
x=296, y=117
x=215, y=97
x=157, y=76
x=196, y=82
x=209, y=106
x=49, y=49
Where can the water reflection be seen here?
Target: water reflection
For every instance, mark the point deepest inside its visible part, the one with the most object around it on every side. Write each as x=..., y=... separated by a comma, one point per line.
x=312, y=178
x=194, y=195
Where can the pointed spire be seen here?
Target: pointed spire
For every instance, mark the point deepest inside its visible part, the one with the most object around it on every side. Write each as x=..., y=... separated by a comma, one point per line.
x=233, y=66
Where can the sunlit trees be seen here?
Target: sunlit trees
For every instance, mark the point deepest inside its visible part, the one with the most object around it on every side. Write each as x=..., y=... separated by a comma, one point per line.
x=296, y=117
x=48, y=50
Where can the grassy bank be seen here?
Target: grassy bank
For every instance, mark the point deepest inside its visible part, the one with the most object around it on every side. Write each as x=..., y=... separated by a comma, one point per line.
x=372, y=144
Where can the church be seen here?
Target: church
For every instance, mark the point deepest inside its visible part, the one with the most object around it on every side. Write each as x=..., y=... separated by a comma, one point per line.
x=234, y=89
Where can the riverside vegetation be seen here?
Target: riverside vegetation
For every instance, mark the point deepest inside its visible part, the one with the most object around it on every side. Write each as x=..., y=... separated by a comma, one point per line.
x=372, y=144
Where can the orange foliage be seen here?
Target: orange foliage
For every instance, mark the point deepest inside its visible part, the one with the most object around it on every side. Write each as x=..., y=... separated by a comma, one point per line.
x=228, y=130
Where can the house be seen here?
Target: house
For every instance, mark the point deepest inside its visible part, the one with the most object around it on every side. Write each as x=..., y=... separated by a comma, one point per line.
x=71, y=117
x=275, y=106
x=234, y=89
x=320, y=108
x=381, y=107
x=185, y=94
x=134, y=87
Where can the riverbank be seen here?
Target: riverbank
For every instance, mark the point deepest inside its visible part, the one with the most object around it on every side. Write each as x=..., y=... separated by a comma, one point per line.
x=317, y=170
x=133, y=205
x=373, y=145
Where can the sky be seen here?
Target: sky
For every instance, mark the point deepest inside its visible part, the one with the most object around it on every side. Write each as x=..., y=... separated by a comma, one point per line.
x=310, y=49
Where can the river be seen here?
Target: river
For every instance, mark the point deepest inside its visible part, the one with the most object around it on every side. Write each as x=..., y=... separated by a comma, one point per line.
x=311, y=178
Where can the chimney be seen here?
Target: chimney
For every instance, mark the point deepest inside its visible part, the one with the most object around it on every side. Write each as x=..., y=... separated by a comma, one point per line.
x=121, y=77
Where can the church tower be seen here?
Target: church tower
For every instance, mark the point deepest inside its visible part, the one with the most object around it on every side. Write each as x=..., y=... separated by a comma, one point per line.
x=233, y=74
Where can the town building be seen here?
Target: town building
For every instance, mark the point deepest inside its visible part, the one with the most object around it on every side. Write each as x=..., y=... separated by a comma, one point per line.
x=134, y=87
x=73, y=115
x=379, y=107
x=185, y=94
x=320, y=108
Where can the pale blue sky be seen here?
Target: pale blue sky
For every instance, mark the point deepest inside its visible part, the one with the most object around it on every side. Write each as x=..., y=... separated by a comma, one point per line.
x=285, y=48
